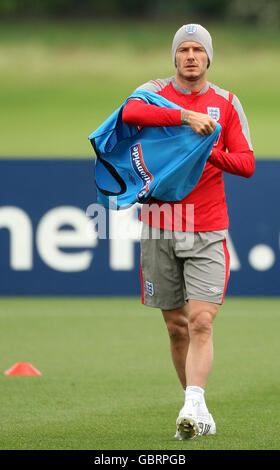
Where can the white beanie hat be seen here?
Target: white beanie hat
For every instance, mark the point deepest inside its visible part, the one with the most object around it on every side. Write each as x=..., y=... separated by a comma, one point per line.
x=195, y=33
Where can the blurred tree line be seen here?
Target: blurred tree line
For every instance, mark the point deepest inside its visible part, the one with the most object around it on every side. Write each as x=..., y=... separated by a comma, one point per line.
x=265, y=12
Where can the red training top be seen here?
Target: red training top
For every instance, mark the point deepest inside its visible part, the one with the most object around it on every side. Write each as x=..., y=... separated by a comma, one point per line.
x=232, y=153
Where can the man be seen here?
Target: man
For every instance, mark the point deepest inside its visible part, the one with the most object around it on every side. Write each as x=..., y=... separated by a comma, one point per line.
x=186, y=273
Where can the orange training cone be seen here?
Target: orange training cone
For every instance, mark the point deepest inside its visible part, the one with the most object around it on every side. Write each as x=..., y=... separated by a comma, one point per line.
x=22, y=368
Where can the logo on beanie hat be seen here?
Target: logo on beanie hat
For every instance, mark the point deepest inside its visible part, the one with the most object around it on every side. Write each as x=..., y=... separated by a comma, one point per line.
x=195, y=33
x=191, y=28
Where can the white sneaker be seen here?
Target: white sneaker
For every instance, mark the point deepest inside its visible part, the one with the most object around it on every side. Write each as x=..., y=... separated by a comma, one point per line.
x=190, y=426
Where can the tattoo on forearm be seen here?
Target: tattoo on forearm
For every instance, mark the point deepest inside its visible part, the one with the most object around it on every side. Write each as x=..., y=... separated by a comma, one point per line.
x=184, y=116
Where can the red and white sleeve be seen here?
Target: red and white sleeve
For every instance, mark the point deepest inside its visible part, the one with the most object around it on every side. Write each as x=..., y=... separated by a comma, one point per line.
x=137, y=112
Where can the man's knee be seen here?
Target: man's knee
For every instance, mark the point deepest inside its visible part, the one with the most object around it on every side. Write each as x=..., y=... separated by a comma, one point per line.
x=201, y=323
x=201, y=318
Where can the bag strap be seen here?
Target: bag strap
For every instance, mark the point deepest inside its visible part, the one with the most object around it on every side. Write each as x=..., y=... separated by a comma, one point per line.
x=115, y=175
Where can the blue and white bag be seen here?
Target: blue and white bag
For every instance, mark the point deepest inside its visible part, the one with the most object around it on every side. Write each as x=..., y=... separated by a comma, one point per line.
x=134, y=165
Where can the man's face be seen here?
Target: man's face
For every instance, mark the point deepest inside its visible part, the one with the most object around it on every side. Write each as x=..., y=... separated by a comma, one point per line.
x=191, y=61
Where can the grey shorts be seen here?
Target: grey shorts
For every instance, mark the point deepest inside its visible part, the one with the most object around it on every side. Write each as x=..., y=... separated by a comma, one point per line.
x=178, y=266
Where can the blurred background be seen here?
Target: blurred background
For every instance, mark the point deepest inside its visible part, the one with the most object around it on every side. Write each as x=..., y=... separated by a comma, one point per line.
x=65, y=66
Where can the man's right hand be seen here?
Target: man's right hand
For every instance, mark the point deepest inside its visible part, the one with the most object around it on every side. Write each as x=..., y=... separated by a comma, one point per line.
x=200, y=123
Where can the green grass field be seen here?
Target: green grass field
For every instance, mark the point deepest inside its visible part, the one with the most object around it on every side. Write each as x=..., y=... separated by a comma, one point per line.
x=59, y=81
x=108, y=382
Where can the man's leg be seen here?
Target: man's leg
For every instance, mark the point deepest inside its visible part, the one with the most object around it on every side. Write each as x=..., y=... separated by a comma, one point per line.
x=191, y=338
x=177, y=326
x=200, y=317
x=190, y=331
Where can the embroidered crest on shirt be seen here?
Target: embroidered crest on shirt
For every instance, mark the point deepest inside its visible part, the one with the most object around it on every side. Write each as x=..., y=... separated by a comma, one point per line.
x=213, y=112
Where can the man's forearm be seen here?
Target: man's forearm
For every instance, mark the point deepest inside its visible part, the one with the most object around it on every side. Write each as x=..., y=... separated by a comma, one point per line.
x=184, y=117
x=236, y=163
x=139, y=113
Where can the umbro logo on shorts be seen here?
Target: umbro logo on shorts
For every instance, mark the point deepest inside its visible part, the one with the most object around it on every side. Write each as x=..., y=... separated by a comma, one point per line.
x=150, y=288
x=216, y=290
